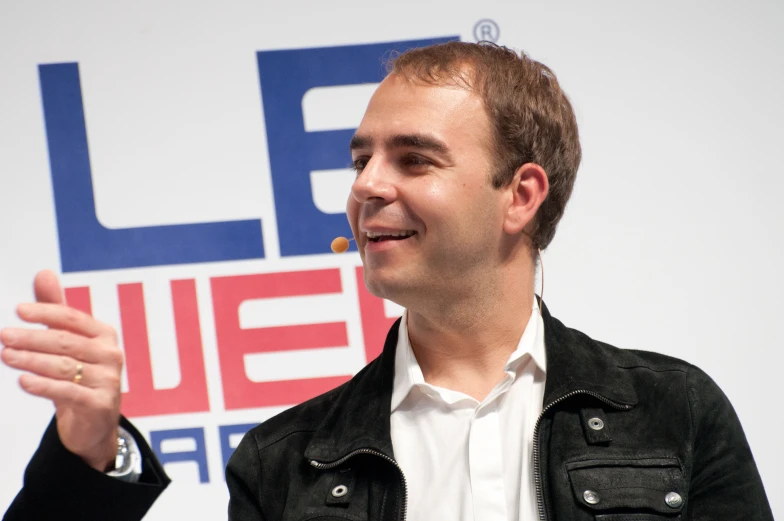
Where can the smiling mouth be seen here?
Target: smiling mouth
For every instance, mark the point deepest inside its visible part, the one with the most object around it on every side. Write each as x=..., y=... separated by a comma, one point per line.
x=389, y=236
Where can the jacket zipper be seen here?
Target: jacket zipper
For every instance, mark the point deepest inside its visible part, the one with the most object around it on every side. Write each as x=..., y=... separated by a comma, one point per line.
x=327, y=466
x=537, y=477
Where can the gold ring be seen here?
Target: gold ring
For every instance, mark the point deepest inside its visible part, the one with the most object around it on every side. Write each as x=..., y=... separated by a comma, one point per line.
x=77, y=379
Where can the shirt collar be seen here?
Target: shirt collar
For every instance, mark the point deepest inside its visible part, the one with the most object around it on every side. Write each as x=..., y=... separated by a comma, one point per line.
x=408, y=374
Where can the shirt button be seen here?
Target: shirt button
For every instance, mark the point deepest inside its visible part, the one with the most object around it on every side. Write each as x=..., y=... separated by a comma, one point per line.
x=340, y=491
x=596, y=424
x=591, y=497
x=673, y=500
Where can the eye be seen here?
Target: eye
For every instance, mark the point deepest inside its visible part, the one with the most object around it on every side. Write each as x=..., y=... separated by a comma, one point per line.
x=413, y=160
x=359, y=164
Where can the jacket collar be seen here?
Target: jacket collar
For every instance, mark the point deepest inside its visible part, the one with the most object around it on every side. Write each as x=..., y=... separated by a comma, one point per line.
x=576, y=362
x=360, y=415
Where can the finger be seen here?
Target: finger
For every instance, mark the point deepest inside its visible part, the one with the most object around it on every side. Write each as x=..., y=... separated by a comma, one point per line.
x=47, y=288
x=50, y=366
x=59, y=391
x=59, y=342
x=58, y=316
x=59, y=368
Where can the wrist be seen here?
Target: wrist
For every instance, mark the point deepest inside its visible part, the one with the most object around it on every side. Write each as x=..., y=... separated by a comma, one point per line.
x=106, y=460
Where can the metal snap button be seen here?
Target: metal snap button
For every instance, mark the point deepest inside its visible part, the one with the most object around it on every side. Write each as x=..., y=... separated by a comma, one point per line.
x=340, y=491
x=673, y=500
x=596, y=424
x=591, y=497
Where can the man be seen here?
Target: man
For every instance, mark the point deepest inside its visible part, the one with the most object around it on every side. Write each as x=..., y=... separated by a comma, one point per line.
x=482, y=406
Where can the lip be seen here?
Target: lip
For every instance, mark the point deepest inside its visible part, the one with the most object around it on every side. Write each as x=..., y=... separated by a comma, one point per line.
x=380, y=246
x=382, y=229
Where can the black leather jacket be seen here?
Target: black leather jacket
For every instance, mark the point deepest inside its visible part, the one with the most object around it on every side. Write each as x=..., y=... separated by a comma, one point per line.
x=624, y=436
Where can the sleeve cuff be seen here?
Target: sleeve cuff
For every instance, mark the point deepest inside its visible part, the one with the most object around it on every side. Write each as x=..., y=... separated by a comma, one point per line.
x=58, y=481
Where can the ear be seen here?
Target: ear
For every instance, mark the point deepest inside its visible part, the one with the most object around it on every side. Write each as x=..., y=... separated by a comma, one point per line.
x=527, y=191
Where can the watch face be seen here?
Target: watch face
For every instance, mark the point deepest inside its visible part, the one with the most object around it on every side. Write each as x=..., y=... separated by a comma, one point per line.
x=128, y=462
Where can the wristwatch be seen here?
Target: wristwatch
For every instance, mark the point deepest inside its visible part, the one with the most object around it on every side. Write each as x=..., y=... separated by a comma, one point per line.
x=128, y=462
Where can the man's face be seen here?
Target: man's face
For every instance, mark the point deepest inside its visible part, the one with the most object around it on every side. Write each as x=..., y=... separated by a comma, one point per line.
x=424, y=214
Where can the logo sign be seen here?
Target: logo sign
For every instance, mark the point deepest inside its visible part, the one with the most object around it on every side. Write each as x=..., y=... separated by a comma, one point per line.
x=486, y=31
x=295, y=152
x=286, y=75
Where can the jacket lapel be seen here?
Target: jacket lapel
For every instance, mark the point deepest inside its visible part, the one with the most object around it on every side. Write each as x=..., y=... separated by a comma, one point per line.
x=359, y=417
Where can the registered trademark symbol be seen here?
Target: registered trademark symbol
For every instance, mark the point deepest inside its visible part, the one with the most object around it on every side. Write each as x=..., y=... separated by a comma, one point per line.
x=486, y=30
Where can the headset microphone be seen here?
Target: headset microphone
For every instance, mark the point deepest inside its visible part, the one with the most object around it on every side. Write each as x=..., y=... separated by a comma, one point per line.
x=340, y=244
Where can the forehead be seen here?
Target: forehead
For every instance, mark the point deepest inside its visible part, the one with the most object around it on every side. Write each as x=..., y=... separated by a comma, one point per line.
x=401, y=106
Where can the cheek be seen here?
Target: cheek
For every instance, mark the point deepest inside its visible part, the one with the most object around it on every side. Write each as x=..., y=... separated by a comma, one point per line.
x=352, y=212
x=443, y=203
x=430, y=200
x=463, y=214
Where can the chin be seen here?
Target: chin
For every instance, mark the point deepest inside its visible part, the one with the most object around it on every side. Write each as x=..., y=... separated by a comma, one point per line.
x=376, y=287
x=397, y=289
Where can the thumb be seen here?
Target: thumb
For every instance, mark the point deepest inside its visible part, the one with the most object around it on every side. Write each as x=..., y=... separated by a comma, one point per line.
x=47, y=288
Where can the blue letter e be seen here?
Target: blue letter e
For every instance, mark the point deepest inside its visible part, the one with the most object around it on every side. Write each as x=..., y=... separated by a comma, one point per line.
x=285, y=77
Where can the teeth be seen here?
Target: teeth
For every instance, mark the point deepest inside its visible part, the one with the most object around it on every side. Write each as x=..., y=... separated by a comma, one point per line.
x=403, y=233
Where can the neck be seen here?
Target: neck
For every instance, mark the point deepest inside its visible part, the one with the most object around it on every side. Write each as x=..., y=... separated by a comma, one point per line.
x=464, y=346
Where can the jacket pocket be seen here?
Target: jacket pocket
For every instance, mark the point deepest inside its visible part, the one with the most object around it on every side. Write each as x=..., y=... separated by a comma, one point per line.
x=629, y=489
x=635, y=517
x=327, y=515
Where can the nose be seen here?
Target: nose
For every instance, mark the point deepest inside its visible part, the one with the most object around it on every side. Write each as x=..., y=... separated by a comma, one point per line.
x=375, y=182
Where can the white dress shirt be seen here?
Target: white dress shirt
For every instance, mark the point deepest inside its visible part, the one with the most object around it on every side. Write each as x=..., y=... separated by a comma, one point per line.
x=464, y=460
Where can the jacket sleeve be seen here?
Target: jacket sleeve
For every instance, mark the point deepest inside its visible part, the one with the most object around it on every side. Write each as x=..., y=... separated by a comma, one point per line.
x=59, y=485
x=725, y=483
x=243, y=477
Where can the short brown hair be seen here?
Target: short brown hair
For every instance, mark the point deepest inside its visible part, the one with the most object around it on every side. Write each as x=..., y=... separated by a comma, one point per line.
x=532, y=118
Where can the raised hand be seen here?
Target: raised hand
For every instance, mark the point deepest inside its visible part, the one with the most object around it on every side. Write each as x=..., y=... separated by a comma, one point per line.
x=76, y=363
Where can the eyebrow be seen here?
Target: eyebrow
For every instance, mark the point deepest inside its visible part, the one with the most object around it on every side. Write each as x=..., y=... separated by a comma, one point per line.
x=420, y=141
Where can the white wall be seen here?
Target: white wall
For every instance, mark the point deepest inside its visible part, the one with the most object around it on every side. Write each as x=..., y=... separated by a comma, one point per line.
x=672, y=241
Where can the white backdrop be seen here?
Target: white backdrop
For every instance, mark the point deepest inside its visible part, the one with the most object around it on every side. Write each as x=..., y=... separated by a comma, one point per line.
x=672, y=241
